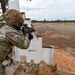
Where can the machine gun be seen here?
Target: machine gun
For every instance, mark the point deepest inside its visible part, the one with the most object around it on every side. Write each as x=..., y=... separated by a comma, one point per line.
x=28, y=30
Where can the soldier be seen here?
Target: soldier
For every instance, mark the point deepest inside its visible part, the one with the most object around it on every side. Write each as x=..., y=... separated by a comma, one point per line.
x=10, y=34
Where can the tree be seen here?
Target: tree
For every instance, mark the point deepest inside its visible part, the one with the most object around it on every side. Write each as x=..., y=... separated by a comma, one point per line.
x=44, y=20
x=3, y=5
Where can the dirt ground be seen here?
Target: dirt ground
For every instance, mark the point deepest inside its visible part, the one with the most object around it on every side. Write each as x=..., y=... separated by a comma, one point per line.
x=58, y=34
x=62, y=37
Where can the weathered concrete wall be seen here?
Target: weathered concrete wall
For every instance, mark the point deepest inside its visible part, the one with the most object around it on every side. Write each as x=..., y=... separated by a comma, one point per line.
x=34, y=52
x=48, y=55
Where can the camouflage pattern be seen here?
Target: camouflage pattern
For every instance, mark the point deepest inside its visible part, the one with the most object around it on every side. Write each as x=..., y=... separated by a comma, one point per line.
x=5, y=45
x=2, y=69
x=17, y=38
x=10, y=34
x=9, y=37
x=22, y=69
x=13, y=18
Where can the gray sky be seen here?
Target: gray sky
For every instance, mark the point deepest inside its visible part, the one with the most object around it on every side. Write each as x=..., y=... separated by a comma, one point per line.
x=49, y=9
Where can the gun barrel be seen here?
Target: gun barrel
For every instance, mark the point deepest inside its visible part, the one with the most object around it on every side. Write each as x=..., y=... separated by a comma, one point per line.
x=28, y=30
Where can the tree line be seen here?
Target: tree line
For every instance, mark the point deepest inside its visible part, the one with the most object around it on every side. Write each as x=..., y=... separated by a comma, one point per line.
x=56, y=21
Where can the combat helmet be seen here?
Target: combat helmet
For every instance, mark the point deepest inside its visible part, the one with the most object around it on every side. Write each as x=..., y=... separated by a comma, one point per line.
x=13, y=18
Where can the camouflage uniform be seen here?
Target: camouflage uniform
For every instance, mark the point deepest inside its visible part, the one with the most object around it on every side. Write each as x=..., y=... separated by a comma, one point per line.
x=9, y=36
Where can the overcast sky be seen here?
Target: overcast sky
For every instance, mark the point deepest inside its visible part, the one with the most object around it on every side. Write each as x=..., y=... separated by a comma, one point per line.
x=49, y=9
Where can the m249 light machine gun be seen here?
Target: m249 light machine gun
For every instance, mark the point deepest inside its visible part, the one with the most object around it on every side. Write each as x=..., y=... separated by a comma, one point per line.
x=28, y=30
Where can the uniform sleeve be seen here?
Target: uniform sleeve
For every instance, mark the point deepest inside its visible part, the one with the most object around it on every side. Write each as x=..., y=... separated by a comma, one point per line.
x=17, y=38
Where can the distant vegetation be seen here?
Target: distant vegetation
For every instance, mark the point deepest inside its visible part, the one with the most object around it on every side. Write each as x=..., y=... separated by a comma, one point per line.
x=46, y=21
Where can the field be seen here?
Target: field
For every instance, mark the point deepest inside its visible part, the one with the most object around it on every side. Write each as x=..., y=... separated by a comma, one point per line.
x=62, y=37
